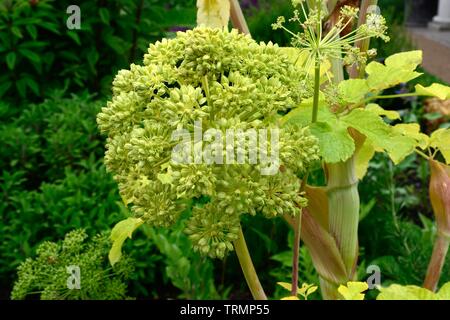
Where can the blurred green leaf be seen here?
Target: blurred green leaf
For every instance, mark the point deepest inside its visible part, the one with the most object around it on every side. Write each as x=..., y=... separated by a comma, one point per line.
x=11, y=60
x=32, y=31
x=104, y=15
x=74, y=36
x=32, y=85
x=30, y=55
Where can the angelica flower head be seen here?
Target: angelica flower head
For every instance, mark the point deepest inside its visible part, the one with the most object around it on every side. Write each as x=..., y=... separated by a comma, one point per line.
x=205, y=79
x=332, y=45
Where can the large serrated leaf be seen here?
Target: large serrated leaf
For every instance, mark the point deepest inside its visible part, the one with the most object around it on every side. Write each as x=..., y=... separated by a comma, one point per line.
x=122, y=230
x=353, y=90
x=398, y=68
x=335, y=143
x=380, y=134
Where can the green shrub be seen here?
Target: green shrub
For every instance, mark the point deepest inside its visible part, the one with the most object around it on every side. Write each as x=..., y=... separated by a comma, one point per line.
x=53, y=181
x=47, y=274
x=39, y=53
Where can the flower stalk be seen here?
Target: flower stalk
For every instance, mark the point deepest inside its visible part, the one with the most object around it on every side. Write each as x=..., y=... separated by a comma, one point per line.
x=240, y=246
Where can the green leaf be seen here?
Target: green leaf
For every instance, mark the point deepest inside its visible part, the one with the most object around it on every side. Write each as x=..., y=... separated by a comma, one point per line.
x=335, y=142
x=353, y=290
x=122, y=230
x=11, y=60
x=302, y=114
x=16, y=31
x=74, y=36
x=440, y=139
x=32, y=85
x=21, y=86
x=116, y=43
x=4, y=87
x=353, y=90
x=104, y=15
x=30, y=55
x=398, y=292
x=435, y=90
x=380, y=134
x=32, y=31
x=375, y=108
x=34, y=44
x=50, y=26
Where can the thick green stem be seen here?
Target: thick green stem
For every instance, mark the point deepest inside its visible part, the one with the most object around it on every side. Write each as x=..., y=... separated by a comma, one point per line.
x=316, y=90
x=437, y=262
x=343, y=206
x=247, y=267
x=328, y=290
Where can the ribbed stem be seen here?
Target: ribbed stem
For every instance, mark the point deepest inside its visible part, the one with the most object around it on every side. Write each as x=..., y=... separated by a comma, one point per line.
x=437, y=262
x=247, y=267
x=328, y=290
x=343, y=206
x=237, y=17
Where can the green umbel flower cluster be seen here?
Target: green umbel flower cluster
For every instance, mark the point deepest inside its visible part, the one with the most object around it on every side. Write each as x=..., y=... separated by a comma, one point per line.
x=48, y=274
x=207, y=79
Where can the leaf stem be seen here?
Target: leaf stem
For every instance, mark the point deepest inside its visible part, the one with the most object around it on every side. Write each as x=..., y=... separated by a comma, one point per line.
x=390, y=96
x=247, y=267
x=422, y=154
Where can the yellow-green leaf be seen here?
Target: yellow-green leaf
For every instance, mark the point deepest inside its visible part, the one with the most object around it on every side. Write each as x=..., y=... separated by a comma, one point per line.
x=353, y=90
x=380, y=134
x=398, y=68
x=363, y=156
x=413, y=130
x=435, y=90
x=122, y=230
x=213, y=13
x=285, y=285
x=305, y=290
x=405, y=60
x=440, y=139
x=375, y=108
x=398, y=292
x=444, y=292
x=353, y=290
